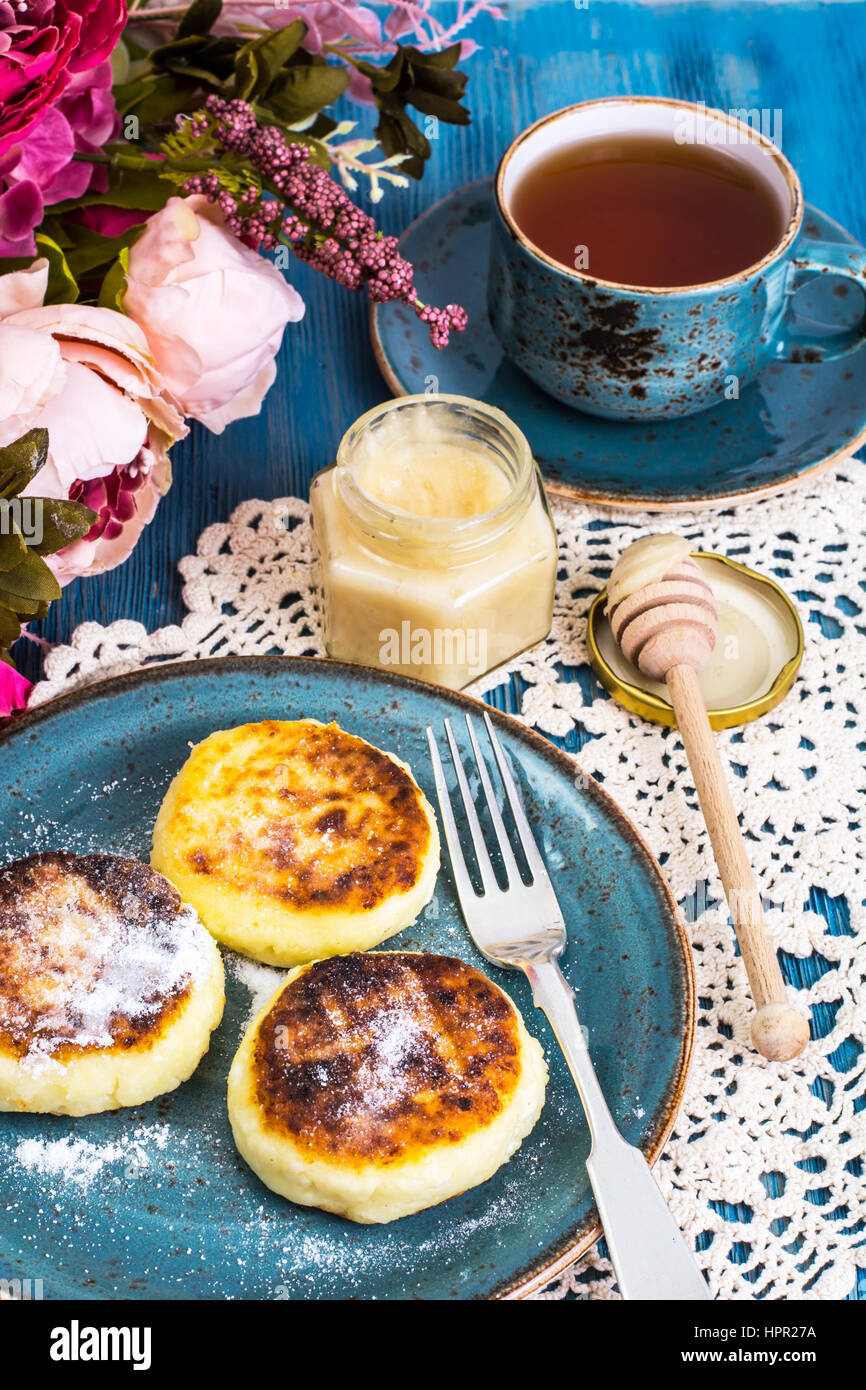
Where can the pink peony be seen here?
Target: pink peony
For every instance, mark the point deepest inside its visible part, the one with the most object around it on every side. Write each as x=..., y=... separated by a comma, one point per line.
x=88, y=108
x=124, y=501
x=87, y=376
x=37, y=44
x=55, y=101
x=212, y=310
x=41, y=169
x=14, y=689
x=101, y=25
x=42, y=44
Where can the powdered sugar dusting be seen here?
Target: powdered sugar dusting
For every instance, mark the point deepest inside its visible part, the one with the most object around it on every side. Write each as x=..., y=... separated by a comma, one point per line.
x=260, y=980
x=90, y=946
x=76, y=1160
x=80, y=1162
x=395, y=1040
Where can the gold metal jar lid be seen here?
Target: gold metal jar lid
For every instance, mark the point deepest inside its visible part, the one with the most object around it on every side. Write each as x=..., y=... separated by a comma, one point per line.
x=760, y=635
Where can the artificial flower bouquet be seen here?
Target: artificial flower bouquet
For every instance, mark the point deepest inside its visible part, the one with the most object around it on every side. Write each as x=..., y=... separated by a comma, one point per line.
x=160, y=167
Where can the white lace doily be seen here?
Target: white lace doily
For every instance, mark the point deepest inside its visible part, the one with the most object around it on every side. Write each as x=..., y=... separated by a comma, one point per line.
x=747, y=1127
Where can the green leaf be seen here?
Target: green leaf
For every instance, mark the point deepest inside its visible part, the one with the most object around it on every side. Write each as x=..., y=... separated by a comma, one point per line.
x=430, y=83
x=246, y=73
x=12, y=263
x=91, y=251
x=10, y=627
x=200, y=18
x=398, y=134
x=51, y=243
x=62, y=523
x=317, y=130
x=28, y=610
x=159, y=99
x=31, y=580
x=55, y=228
x=212, y=59
x=381, y=79
x=191, y=46
x=13, y=546
x=431, y=104
x=445, y=58
x=30, y=528
x=129, y=94
x=302, y=91
x=62, y=285
x=114, y=285
x=259, y=62
x=21, y=461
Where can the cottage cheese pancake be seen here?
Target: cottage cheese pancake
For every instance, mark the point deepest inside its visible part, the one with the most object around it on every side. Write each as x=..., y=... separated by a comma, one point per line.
x=373, y=1085
x=109, y=985
x=295, y=840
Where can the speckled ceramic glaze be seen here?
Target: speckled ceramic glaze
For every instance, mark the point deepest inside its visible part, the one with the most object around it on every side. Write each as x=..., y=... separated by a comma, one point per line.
x=620, y=352
x=156, y=1202
x=792, y=420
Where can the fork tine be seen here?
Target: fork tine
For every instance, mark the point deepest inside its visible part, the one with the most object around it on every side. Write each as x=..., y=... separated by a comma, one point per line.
x=462, y=881
x=524, y=830
x=511, y=869
x=488, y=878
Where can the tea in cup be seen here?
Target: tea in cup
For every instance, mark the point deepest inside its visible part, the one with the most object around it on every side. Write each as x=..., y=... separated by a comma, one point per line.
x=644, y=257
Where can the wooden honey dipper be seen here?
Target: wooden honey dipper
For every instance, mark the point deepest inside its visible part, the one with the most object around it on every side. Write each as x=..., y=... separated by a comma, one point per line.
x=667, y=628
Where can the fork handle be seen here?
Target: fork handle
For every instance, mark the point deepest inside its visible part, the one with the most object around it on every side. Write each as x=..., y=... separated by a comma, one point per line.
x=647, y=1248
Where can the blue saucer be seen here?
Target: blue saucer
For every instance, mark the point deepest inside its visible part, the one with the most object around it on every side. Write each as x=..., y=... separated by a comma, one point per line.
x=790, y=422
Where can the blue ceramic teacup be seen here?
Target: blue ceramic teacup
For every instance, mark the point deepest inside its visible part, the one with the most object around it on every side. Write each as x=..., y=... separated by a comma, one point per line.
x=623, y=351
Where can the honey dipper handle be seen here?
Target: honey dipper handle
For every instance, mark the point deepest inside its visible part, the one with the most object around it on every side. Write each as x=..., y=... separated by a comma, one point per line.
x=778, y=1030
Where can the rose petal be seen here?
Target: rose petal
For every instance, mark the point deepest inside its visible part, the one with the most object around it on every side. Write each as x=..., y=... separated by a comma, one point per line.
x=246, y=402
x=48, y=149
x=20, y=210
x=23, y=289
x=31, y=373
x=14, y=689
x=213, y=310
x=92, y=427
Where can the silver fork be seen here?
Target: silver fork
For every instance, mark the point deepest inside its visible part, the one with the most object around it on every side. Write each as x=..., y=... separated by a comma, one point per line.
x=522, y=927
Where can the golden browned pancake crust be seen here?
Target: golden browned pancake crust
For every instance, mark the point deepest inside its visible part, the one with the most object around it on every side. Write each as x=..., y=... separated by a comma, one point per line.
x=370, y=1057
x=338, y=824
x=66, y=924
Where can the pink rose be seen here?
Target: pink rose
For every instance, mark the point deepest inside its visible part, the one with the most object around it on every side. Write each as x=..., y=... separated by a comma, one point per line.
x=14, y=689
x=42, y=44
x=124, y=501
x=101, y=25
x=55, y=101
x=20, y=213
x=87, y=107
x=41, y=169
x=31, y=368
x=212, y=310
x=37, y=45
x=87, y=376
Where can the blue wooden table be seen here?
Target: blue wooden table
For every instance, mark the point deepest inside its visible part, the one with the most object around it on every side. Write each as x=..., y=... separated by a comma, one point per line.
x=808, y=61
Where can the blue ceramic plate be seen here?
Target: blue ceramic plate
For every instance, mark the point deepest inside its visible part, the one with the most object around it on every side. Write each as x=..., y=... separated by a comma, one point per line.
x=789, y=422
x=153, y=1201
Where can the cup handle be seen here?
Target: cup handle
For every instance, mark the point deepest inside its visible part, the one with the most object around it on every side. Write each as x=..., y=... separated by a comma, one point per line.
x=815, y=342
